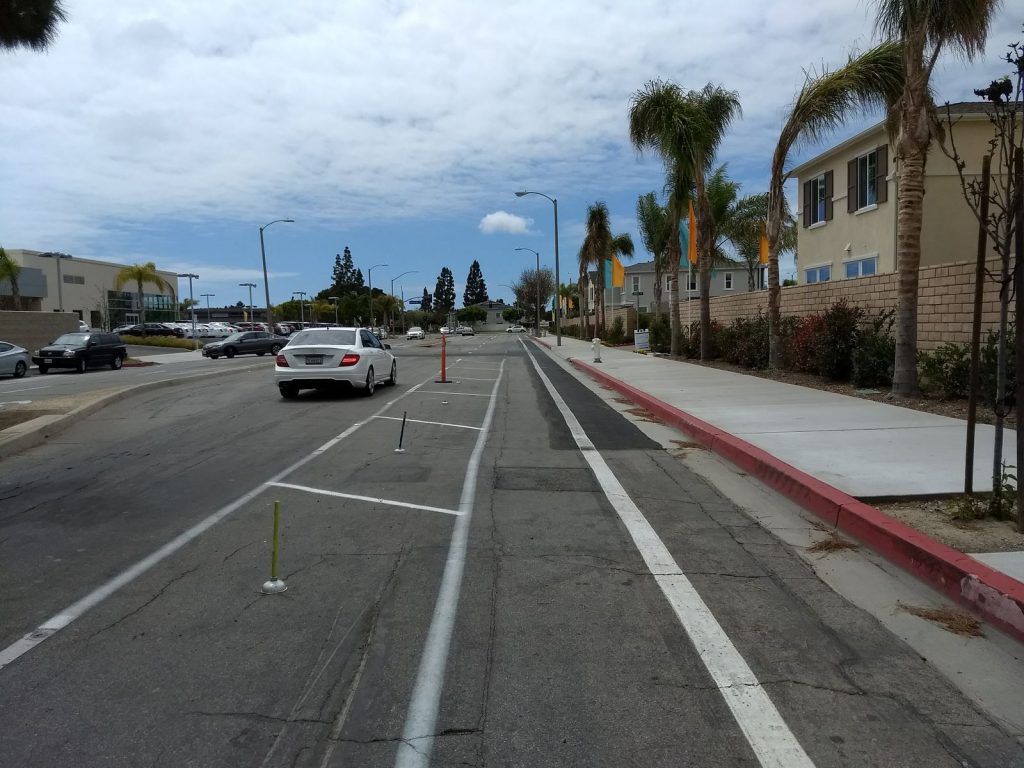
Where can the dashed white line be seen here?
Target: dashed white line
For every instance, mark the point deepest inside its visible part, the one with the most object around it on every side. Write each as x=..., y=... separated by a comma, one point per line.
x=435, y=423
x=371, y=499
x=459, y=394
x=767, y=733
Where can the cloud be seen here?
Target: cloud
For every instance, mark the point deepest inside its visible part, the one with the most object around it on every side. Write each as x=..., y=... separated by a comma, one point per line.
x=506, y=223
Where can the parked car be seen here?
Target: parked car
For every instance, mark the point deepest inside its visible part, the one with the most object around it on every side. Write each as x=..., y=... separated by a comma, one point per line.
x=145, y=329
x=381, y=333
x=318, y=358
x=14, y=360
x=445, y=329
x=515, y=329
x=245, y=343
x=465, y=330
x=415, y=333
x=81, y=351
x=83, y=326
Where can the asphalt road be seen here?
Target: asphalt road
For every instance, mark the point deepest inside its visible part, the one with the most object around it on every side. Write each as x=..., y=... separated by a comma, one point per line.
x=485, y=597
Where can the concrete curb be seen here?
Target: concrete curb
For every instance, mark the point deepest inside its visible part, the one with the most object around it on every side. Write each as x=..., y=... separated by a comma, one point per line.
x=37, y=431
x=992, y=594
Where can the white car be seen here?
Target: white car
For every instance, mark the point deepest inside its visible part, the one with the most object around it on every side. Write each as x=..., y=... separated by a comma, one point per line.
x=465, y=330
x=445, y=329
x=515, y=329
x=320, y=358
x=415, y=333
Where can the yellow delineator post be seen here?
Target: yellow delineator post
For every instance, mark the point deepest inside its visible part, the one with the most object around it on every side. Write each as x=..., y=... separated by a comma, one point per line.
x=275, y=585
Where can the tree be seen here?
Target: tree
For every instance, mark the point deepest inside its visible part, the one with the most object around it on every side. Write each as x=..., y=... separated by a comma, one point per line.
x=583, y=262
x=10, y=270
x=652, y=221
x=29, y=23
x=745, y=227
x=427, y=304
x=444, y=291
x=141, y=274
x=601, y=245
x=870, y=80
x=925, y=29
x=568, y=292
x=512, y=314
x=531, y=285
x=476, y=288
x=472, y=314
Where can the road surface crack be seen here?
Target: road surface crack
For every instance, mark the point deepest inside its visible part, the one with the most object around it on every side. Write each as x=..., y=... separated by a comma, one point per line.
x=151, y=600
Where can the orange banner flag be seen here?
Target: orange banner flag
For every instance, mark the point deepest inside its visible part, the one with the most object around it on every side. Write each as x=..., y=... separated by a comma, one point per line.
x=618, y=273
x=692, y=253
x=763, y=249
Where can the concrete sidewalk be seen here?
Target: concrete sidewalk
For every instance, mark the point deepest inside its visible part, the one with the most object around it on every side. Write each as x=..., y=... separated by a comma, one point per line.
x=828, y=452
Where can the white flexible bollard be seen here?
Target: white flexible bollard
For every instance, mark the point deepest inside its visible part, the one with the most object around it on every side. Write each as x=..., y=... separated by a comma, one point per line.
x=596, y=344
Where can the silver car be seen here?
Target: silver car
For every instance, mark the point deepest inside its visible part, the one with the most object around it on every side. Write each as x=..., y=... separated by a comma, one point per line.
x=321, y=358
x=14, y=361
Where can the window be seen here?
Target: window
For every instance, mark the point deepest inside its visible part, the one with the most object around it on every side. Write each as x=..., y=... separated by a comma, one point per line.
x=866, y=185
x=668, y=283
x=691, y=284
x=636, y=283
x=818, y=274
x=728, y=281
x=818, y=199
x=74, y=279
x=861, y=267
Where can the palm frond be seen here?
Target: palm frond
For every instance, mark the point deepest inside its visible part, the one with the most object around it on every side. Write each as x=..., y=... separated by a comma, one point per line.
x=959, y=25
x=29, y=23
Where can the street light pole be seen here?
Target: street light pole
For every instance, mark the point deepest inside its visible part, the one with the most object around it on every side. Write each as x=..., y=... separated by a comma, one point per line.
x=558, y=274
x=208, y=295
x=266, y=282
x=250, y=286
x=536, y=330
x=302, y=315
x=334, y=300
x=192, y=306
x=410, y=272
x=369, y=281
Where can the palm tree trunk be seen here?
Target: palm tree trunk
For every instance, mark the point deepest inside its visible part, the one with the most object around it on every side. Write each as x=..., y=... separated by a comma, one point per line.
x=142, y=310
x=704, y=266
x=908, y=260
x=599, y=301
x=673, y=298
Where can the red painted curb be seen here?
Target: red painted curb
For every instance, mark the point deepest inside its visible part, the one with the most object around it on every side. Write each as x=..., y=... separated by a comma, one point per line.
x=996, y=596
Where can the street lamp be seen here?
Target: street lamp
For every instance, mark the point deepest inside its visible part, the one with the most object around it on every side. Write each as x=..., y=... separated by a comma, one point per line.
x=558, y=277
x=208, y=295
x=536, y=331
x=369, y=281
x=301, y=295
x=250, y=286
x=192, y=306
x=410, y=272
x=334, y=300
x=266, y=283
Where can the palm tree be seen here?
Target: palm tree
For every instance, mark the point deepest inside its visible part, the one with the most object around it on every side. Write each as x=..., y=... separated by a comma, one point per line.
x=748, y=223
x=924, y=28
x=602, y=245
x=29, y=23
x=687, y=129
x=583, y=261
x=872, y=79
x=9, y=271
x=652, y=221
x=722, y=193
x=567, y=292
x=141, y=274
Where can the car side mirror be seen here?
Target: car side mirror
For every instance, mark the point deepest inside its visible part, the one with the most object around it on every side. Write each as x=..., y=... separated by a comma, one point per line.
x=387, y=346
x=93, y=343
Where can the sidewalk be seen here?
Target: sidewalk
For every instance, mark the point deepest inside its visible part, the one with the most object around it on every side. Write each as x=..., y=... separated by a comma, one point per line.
x=829, y=452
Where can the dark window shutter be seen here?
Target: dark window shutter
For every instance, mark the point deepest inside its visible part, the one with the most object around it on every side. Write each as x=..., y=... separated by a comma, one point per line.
x=828, y=195
x=807, y=204
x=851, y=186
x=882, y=170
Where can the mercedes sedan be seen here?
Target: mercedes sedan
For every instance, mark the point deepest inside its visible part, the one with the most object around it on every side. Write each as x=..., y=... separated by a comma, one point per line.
x=322, y=358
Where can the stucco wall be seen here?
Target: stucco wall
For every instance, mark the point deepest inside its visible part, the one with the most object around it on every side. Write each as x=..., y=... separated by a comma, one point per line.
x=32, y=330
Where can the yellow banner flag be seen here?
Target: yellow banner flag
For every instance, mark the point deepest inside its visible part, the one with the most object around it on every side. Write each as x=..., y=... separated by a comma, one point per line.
x=618, y=273
x=692, y=253
x=571, y=305
x=763, y=249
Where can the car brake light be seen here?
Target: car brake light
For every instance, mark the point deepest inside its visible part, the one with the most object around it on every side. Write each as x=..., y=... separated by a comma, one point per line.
x=349, y=359
x=282, y=361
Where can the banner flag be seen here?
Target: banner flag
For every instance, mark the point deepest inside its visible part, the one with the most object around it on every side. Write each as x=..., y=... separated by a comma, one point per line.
x=618, y=273
x=692, y=253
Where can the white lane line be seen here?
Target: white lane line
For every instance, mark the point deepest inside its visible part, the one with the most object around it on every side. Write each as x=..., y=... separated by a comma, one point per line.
x=460, y=394
x=435, y=423
x=371, y=499
x=471, y=378
x=477, y=368
x=421, y=720
x=55, y=623
x=24, y=389
x=767, y=733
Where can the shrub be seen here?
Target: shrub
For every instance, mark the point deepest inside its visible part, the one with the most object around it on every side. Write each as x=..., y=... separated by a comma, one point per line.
x=163, y=341
x=875, y=353
x=839, y=340
x=788, y=325
x=988, y=368
x=947, y=370
x=617, y=333
x=661, y=335
x=805, y=344
x=691, y=340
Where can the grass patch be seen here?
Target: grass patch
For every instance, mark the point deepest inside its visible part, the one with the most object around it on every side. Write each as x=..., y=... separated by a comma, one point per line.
x=162, y=341
x=832, y=542
x=952, y=619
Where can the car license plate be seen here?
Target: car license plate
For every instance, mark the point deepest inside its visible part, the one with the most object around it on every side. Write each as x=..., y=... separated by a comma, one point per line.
x=48, y=360
x=314, y=359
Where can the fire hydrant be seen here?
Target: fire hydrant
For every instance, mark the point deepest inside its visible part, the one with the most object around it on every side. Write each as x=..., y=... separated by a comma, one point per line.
x=597, y=350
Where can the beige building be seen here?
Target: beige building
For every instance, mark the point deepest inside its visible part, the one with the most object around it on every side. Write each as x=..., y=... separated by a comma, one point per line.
x=848, y=198
x=55, y=282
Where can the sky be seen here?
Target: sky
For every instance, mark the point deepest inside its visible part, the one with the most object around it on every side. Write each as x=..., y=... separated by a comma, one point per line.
x=171, y=130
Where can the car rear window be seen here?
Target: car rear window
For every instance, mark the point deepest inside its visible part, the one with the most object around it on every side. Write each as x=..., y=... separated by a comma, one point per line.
x=334, y=336
x=72, y=338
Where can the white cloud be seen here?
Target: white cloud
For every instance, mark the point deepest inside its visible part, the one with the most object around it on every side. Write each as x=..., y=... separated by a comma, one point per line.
x=504, y=222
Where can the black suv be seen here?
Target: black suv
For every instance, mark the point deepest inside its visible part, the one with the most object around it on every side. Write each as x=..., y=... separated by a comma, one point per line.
x=81, y=350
